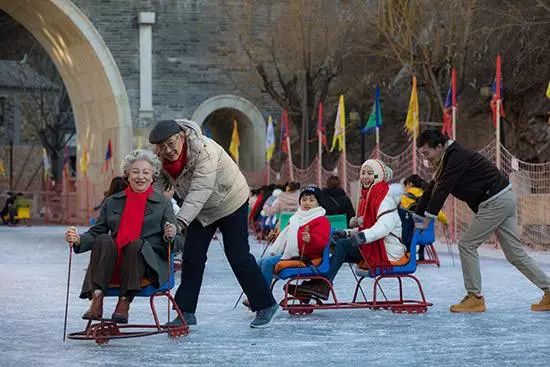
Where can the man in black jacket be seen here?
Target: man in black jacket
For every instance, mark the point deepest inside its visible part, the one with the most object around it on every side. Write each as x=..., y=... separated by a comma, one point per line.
x=470, y=177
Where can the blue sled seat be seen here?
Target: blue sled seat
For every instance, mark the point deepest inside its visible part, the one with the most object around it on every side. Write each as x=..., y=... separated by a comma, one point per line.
x=150, y=289
x=309, y=271
x=426, y=236
x=408, y=268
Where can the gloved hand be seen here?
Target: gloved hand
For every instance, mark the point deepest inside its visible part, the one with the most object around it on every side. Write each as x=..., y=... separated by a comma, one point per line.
x=356, y=222
x=339, y=234
x=358, y=239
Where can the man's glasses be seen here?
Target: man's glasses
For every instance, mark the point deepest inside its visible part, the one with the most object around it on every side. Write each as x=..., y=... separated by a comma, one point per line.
x=171, y=143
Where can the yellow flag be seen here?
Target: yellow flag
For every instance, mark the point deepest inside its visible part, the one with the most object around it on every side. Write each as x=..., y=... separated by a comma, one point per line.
x=2, y=169
x=46, y=164
x=84, y=159
x=235, y=143
x=412, y=122
x=339, y=137
x=269, y=140
x=548, y=91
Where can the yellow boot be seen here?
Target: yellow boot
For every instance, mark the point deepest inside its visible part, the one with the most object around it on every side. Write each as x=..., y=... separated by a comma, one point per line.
x=544, y=304
x=470, y=303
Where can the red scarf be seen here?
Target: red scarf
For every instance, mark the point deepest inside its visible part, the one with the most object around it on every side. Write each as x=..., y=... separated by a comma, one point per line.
x=131, y=223
x=375, y=252
x=176, y=167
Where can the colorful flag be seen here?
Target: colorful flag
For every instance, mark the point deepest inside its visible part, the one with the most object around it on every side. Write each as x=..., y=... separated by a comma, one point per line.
x=235, y=143
x=269, y=140
x=284, y=132
x=108, y=155
x=412, y=123
x=84, y=160
x=496, y=89
x=375, y=118
x=46, y=164
x=450, y=102
x=548, y=91
x=339, y=127
x=320, y=127
x=2, y=169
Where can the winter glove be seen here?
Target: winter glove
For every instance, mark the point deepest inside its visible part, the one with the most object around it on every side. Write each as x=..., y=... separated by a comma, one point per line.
x=358, y=239
x=339, y=235
x=356, y=222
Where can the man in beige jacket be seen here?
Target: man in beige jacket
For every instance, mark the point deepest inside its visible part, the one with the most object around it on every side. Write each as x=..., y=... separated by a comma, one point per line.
x=215, y=195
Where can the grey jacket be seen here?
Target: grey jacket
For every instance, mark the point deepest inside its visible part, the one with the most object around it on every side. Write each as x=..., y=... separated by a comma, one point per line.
x=157, y=212
x=211, y=184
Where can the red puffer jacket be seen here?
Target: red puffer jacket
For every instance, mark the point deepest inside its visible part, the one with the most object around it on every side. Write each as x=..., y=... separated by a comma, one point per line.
x=319, y=231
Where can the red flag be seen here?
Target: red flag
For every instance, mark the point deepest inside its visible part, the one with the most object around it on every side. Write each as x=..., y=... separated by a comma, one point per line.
x=450, y=102
x=497, y=93
x=320, y=127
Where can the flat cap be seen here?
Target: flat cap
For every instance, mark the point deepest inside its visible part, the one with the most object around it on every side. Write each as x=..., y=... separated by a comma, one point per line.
x=163, y=130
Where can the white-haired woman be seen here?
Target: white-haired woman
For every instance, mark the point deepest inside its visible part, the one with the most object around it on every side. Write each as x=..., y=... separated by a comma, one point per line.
x=130, y=239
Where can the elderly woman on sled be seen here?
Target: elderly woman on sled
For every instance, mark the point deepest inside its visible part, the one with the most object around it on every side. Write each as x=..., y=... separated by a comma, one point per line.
x=129, y=242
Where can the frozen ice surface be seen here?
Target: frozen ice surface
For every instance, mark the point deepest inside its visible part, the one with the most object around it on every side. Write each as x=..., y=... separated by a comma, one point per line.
x=33, y=275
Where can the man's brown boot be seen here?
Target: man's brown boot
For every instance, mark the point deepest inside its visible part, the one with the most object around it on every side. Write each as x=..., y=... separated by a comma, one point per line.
x=470, y=303
x=120, y=315
x=95, y=311
x=544, y=304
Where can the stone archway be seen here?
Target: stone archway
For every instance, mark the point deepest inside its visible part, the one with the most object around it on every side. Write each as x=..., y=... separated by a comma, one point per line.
x=252, y=127
x=93, y=81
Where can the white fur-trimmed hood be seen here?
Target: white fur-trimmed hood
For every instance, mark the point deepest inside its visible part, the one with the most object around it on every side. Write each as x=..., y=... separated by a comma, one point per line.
x=395, y=192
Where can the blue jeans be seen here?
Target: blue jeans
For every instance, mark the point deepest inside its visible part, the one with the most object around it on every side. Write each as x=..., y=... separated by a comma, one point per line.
x=267, y=265
x=343, y=252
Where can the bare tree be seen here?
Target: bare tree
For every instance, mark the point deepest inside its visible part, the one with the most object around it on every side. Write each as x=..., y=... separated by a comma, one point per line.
x=297, y=55
x=46, y=108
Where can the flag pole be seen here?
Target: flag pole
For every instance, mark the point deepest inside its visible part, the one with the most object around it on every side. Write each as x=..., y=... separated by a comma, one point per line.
x=453, y=109
x=498, y=107
x=344, y=161
x=319, y=157
x=414, y=152
x=377, y=148
x=290, y=166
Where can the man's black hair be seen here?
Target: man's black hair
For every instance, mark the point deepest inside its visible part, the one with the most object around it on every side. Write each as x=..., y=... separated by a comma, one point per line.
x=432, y=137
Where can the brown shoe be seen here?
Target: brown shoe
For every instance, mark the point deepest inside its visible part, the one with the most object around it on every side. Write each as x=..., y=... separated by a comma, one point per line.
x=95, y=311
x=319, y=289
x=544, y=304
x=120, y=315
x=470, y=303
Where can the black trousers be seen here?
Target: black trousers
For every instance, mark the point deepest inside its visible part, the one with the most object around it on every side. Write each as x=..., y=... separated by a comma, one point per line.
x=237, y=250
x=102, y=264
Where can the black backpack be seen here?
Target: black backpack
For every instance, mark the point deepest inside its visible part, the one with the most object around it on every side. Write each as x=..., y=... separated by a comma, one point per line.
x=407, y=227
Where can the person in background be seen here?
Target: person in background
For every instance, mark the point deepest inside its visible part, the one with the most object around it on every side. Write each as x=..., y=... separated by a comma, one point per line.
x=335, y=199
x=118, y=184
x=414, y=188
x=7, y=210
x=287, y=201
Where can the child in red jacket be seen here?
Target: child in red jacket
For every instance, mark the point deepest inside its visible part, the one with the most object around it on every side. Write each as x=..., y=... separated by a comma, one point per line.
x=305, y=237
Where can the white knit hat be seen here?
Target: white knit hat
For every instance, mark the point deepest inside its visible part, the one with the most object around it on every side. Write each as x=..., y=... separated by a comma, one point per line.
x=381, y=171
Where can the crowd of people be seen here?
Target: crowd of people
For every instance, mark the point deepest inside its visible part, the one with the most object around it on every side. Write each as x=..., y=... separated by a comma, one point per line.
x=138, y=223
